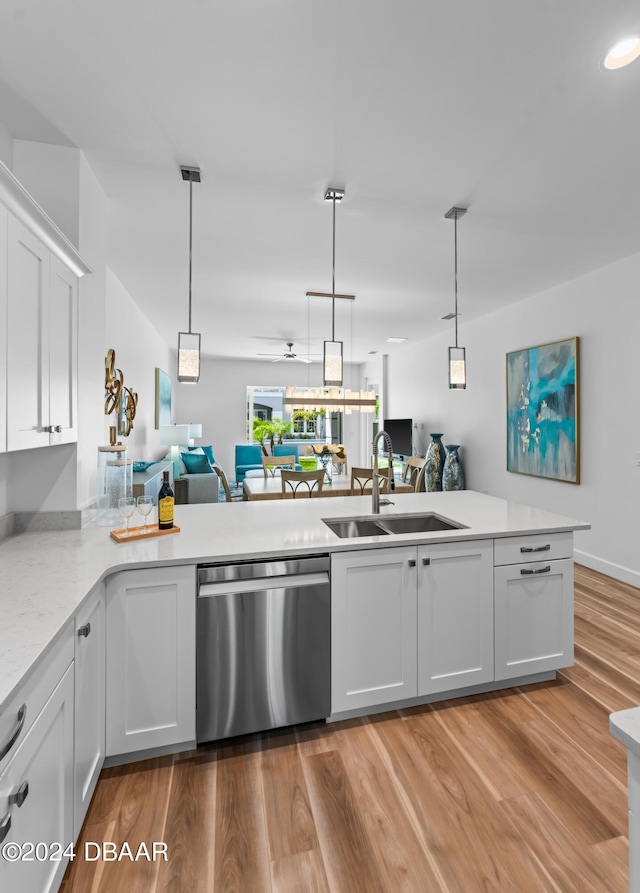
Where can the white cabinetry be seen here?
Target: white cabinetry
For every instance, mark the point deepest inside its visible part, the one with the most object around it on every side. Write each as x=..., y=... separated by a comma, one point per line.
x=455, y=615
x=36, y=774
x=41, y=344
x=151, y=634
x=533, y=605
x=89, y=701
x=410, y=621
x=373, y=627
x=4, y=216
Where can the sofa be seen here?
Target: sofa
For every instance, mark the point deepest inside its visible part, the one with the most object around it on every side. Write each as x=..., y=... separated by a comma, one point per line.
x=197, y=482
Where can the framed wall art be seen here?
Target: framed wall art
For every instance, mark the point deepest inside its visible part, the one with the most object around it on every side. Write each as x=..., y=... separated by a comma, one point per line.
x=543, y=432
x=163, y=398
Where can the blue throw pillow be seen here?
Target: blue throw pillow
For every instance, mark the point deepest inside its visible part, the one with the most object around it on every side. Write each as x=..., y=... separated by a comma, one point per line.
x=197, y=463
x=141, y=466
x=208, y=451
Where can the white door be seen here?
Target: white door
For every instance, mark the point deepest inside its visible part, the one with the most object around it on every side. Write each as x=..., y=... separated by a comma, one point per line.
x=89, y=702
x=27, y=339
x=151, y=636
x=455, y=615
x=373, y=627
x=63, y=354
x=534, y=618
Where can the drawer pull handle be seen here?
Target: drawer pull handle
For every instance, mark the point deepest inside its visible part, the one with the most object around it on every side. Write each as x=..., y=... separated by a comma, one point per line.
x=84, y=630
x=426, y=561
x=57, y=429
x=5, y=826
x=536, y=549
x=539, y=570
x=19, y=795
x=412, y=562
x=4, y=750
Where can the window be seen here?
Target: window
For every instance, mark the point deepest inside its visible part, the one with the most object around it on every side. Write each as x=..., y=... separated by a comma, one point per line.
x=267, y=419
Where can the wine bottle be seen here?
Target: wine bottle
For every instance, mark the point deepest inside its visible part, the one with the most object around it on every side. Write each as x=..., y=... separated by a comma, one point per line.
x=165, y=503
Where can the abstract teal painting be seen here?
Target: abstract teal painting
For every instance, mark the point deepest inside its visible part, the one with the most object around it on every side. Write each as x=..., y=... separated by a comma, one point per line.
x=543, y=435
x=163, y=398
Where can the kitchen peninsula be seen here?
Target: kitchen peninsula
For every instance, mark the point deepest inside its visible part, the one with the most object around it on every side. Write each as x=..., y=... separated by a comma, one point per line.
x=420, y=616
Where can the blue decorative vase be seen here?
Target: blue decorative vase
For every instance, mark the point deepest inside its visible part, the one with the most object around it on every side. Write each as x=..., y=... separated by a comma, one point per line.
x=453, y=475
x=435, y=464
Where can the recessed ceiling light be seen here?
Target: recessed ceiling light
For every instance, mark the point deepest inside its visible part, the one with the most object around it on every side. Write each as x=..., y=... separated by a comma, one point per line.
x=396, y=340
x=623, y=53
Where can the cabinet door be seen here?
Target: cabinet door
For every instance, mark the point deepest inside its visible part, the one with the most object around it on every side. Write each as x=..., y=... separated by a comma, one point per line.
x=373, y=627
x=63, y=354
x=41, y=772
x=28, y=339
x=151, y=635
x=89, y=702
x=4, y=215
x=534, y=618
x=455, y=615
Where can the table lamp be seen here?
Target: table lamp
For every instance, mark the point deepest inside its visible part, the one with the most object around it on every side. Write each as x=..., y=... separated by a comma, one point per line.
x=175, y=436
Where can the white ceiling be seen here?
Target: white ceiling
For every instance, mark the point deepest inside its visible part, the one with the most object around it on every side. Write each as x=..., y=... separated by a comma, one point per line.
x=412, y=106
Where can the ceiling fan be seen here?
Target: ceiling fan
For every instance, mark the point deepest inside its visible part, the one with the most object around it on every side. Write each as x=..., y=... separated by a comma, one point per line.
x=287, y=355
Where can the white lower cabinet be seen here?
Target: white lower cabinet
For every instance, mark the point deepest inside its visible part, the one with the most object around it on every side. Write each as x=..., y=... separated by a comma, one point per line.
x=36, y=797
x=151, y=636
x=534, y=617
x=89, y=702
x=455, y=615
x=373, y=627
x=410, y=621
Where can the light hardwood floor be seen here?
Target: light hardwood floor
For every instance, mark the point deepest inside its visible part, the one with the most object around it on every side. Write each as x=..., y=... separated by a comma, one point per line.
x=522, y=790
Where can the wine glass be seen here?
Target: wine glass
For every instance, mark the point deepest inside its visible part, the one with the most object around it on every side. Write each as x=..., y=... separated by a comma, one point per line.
x=145, y=505
x=126, y=507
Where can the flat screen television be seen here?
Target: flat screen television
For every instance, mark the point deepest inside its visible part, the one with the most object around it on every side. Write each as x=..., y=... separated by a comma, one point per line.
x=400, y=431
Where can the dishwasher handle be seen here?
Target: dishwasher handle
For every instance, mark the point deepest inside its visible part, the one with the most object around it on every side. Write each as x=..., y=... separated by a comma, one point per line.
x=262, y=584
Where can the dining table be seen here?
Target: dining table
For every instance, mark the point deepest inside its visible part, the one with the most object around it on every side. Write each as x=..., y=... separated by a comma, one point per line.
x=271, y=488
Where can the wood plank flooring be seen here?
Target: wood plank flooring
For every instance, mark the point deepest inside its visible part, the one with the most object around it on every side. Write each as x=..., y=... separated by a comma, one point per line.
x=522, y=790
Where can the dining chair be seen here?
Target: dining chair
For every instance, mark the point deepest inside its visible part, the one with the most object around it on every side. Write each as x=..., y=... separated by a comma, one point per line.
x=273, y=464
x=225, y=485
x=302, y=483
x=414, y=472
x=362, y=478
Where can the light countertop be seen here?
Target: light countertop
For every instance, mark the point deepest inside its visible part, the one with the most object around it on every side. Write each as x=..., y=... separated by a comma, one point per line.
x=45, y=577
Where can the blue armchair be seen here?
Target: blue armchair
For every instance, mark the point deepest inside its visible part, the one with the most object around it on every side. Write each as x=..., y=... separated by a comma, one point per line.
x=248, y=458
x=287, y=449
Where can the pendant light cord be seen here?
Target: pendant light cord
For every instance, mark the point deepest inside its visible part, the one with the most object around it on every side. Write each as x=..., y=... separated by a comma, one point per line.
x=333, y=275
x=190, y=243
x=455, y=267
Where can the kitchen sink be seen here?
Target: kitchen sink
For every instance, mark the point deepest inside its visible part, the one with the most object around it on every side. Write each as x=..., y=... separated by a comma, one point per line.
x=416, y=523
x=349, y=527
x=379, y=525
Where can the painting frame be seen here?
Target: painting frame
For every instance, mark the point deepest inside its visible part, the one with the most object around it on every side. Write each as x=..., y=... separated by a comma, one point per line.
x=543, y=410
x=163, y=398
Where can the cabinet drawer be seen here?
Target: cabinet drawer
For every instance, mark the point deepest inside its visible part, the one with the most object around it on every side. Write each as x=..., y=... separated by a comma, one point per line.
x=33, y=695
x=534, y=547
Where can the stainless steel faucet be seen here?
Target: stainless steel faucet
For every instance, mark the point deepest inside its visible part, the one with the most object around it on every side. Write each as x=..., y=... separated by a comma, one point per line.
x=376, y=502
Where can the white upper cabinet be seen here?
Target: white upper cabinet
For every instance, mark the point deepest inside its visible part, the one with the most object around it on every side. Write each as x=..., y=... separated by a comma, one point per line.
x=28, y=339
x=39, y=270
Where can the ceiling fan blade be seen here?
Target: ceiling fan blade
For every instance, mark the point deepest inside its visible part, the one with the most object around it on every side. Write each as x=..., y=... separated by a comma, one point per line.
x=303, y=360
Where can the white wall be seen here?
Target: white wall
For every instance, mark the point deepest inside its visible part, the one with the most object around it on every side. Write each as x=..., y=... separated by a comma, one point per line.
x=219, y=402
x=139, y=349
x=603, y=310
x=6, y=147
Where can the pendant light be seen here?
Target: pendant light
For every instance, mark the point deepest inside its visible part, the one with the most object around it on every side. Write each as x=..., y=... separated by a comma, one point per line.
x=457, y=357
x=332, y=356
x=189, y=342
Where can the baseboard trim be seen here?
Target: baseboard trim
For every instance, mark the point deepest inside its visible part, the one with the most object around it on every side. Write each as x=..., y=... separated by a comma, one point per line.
x=609, y=568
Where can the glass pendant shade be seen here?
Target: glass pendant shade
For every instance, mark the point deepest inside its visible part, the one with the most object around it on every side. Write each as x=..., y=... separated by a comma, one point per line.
x=457, y=368
x=332, y=364
x=189, y=357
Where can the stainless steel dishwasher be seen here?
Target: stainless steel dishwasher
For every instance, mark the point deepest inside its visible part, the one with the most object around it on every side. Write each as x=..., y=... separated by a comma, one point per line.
x=263, y=646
